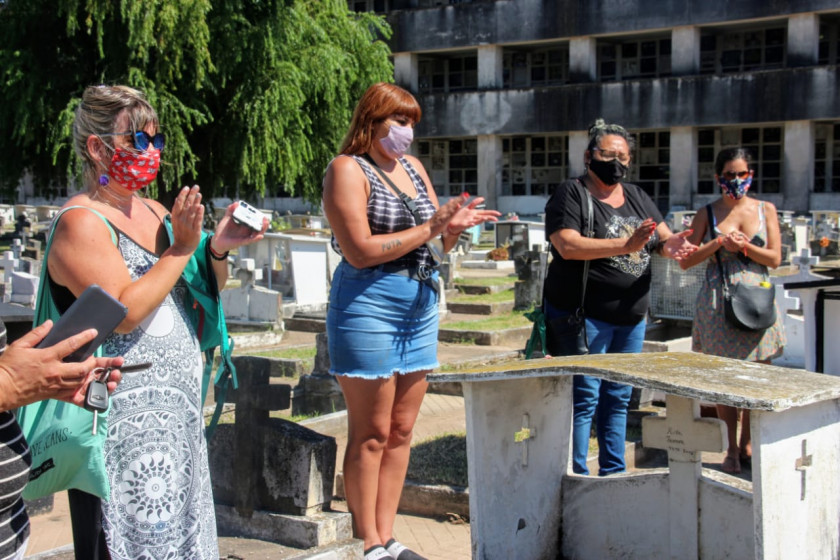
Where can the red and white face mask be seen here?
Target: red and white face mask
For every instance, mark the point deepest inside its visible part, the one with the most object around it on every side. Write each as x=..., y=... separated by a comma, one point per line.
x=134, y=170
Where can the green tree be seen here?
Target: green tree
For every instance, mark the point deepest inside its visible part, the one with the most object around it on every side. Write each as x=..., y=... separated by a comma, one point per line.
x=253, y=95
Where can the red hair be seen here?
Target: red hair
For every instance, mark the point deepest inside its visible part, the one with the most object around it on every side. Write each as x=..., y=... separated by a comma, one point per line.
x=379, y=102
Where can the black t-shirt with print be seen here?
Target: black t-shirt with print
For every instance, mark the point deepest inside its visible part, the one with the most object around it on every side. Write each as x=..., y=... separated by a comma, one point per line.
x=617, y=290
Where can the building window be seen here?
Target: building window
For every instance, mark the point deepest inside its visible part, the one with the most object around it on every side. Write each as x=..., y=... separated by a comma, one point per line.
x=534, y=165
x=650, y=168
x=538, y=67
x=743, y=51
x=764, y=144
x=444, y=74
x=452, y=164
x=649, y=58
x=827, y=158
x=378, y=6
x=829, y=41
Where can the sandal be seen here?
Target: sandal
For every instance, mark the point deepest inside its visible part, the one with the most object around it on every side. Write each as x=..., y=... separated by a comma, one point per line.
x=731, y=465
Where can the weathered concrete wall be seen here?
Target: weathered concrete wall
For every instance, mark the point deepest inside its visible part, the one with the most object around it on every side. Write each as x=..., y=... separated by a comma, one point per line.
x=756, y=97
x=592, y=515
x=632, y=517
x=512, y=21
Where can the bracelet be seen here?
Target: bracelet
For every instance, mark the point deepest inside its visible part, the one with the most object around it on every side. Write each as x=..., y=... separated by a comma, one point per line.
x=214, y=255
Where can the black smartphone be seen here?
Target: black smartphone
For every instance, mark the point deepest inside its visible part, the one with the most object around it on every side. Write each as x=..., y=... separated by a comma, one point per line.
x=95, y=308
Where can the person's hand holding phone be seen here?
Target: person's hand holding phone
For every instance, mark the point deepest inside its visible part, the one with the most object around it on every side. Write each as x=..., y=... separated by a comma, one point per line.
x=231, y=235
x=33, y=374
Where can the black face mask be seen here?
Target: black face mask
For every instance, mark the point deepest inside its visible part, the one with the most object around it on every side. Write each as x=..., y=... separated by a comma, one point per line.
x=609, y=172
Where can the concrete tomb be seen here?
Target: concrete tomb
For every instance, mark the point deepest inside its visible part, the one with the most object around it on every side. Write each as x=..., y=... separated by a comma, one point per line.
x=273, y=479
x=525, y=503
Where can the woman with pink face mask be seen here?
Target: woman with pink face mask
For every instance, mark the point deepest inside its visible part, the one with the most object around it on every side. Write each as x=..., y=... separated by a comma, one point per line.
x=382, y=323
x=160, y=504
x=740, y=236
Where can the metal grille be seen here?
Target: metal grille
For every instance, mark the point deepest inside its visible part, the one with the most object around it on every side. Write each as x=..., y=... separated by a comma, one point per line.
x=673, y=291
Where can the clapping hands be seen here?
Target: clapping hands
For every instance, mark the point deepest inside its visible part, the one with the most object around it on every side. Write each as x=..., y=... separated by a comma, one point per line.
x=471, y=215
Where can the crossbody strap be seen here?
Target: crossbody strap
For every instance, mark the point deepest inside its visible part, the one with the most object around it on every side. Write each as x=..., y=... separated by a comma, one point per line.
x=713, y=235
x=409, y=202
x=589, y=231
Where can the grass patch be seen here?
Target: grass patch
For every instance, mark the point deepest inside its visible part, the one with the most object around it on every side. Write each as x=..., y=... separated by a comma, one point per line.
x=486, y=281
x=498, y=297
x=493, y=323
x=290, y=353
x=440, y=460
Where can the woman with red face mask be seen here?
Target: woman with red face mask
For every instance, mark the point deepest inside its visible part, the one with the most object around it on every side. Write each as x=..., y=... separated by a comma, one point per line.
x=160, y=504
x=738, y=236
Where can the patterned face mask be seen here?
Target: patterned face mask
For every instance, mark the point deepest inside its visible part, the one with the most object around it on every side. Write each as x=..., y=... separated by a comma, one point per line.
x=134, y=170
x=735, y=188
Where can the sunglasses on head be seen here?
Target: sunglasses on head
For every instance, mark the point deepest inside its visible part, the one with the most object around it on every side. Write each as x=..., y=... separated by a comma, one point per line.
x=729, y=175
x=142, y=140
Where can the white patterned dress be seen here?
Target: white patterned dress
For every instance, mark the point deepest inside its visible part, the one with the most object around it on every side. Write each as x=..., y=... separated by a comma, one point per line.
x=161, y=503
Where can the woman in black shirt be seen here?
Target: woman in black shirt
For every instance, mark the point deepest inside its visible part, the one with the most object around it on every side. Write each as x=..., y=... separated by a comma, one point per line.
x=627, y=229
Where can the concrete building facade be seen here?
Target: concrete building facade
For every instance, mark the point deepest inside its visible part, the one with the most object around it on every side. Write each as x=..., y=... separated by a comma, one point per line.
x=508, y=89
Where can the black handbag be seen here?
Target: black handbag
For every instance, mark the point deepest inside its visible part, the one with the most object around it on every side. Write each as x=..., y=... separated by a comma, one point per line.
x=749, y=308
x=566, y=335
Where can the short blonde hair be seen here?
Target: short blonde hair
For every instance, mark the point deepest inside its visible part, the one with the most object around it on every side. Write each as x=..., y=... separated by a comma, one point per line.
x=97, y=115
x=379, y=102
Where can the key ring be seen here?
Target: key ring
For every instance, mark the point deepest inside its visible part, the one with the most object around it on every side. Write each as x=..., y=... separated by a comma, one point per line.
x=102, y=374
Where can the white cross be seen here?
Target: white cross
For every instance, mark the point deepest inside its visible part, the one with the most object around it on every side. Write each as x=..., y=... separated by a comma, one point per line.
x=802, y=463
x=9, y=263
x=523, y=436
x=805, y=261
x=684, y=434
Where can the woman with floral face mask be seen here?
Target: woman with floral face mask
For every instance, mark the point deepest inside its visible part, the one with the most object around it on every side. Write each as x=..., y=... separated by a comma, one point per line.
x=160, y=504
x=382, y=323
x=739, y=236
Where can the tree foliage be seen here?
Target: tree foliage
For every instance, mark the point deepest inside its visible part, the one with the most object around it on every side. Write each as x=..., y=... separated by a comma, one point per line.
x=253, y=95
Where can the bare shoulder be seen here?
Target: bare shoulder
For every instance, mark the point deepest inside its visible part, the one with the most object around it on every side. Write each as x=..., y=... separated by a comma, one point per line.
x=344, y=164
x=346, y=176
x=768, y=206
x=81, y=225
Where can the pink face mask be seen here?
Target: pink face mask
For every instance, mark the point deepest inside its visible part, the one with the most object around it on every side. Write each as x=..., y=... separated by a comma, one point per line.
x=398, y=140
x=134, y=170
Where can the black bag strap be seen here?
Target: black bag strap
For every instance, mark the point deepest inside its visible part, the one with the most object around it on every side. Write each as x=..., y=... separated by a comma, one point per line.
x=589, y=231
x=713, y=235
x=409, y=202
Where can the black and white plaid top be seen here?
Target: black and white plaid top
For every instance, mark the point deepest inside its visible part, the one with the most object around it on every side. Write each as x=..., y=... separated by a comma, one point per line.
x=14, y=474
x=387, y=213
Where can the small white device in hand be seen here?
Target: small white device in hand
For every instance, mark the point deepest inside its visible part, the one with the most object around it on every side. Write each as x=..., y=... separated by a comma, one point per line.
x=247, y=215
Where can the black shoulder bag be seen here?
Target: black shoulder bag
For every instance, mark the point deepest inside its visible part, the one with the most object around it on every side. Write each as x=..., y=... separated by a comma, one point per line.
x=566, y=336
x=749, y=308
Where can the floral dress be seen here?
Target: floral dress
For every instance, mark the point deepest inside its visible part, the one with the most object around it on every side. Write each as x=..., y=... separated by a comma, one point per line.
x=711, y=333
x=161, y=503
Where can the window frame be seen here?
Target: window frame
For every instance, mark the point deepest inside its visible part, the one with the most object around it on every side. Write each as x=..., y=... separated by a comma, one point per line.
x=621, y=58
x=724, y=137
x=436, y=155
x=532, y=171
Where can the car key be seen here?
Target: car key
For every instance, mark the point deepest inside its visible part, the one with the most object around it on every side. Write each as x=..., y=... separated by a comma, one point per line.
x=96, y=397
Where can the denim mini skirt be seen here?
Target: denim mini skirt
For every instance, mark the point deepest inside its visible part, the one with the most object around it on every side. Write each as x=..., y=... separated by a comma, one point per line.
x=379, y=323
